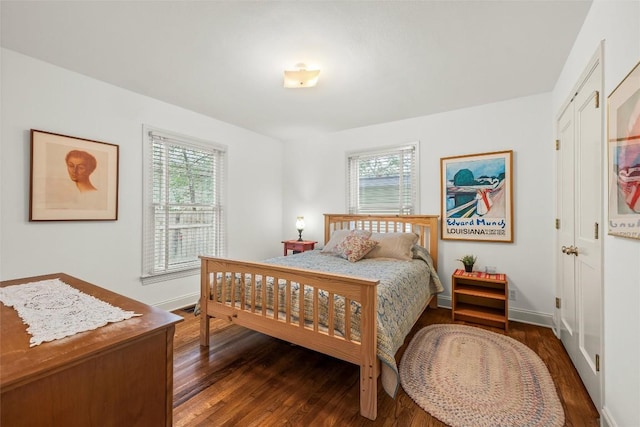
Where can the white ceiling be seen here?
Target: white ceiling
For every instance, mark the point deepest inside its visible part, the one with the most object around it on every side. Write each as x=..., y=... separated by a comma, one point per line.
x=380, y=61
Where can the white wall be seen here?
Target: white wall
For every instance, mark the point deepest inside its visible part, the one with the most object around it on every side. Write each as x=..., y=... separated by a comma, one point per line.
x=618, y=24
x=41, y=96
x=317, y=186
x=37, y=95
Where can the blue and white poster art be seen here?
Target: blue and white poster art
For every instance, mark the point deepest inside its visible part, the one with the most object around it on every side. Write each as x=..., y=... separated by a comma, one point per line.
x=477, y=197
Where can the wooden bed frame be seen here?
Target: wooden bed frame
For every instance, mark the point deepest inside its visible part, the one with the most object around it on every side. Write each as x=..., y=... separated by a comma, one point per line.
x=306, y=330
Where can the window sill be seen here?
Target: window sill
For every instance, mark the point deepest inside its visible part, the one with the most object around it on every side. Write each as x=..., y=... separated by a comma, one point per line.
x=163, y=277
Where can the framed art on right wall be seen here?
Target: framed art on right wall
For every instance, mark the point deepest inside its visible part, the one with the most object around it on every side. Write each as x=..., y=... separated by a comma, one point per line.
x=623, y=137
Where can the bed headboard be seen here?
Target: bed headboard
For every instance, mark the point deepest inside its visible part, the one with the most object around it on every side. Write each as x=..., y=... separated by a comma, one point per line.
x=425, y=226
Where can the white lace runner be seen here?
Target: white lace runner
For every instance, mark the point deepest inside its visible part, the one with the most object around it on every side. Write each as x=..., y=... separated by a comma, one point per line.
x=51, y=309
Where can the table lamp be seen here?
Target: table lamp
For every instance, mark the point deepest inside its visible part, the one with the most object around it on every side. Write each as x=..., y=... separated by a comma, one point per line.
x=300, y=227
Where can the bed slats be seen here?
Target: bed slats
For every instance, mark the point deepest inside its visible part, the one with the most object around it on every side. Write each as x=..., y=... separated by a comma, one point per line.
x=312, y=302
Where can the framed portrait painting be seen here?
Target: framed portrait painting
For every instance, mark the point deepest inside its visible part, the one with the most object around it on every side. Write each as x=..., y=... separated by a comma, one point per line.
x=623, y=125
x=477, y=197
x=72, y=179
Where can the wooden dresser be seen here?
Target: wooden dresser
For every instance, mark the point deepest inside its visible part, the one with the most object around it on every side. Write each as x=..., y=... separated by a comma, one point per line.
x=118, y=375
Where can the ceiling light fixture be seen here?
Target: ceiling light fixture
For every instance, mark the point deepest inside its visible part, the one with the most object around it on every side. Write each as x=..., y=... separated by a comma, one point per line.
x=301, y=77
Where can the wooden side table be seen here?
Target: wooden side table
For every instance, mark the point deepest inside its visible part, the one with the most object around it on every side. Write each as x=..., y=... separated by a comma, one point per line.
x=480, y=298
x=298, y=246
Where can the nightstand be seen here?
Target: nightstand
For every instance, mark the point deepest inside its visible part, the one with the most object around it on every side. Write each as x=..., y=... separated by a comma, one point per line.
x=298, y=246
x=480, y=298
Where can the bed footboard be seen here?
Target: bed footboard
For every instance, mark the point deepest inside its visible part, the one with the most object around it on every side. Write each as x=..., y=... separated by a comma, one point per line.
x=330, y=313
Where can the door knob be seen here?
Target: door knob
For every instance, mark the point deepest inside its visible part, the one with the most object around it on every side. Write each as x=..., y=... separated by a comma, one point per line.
x=571, y=250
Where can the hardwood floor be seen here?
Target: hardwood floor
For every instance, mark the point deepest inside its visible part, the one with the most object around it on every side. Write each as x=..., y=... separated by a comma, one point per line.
x=248, y=379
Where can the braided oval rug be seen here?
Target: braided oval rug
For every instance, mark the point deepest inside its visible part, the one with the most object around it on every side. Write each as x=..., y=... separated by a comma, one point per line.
x=467, y=376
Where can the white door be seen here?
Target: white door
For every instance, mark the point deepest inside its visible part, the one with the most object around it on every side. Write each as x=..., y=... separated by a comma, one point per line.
x=579, y=247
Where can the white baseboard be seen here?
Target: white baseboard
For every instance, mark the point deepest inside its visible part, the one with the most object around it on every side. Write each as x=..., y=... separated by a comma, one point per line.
x=180, y=302
x=606, y=420
x=515, y=314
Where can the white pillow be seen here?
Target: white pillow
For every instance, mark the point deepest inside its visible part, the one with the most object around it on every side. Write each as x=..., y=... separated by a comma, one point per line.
x=338, y=236
x=393, y=245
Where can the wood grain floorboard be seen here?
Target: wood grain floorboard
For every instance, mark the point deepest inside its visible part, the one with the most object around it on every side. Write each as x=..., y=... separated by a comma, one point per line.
x=249, y=379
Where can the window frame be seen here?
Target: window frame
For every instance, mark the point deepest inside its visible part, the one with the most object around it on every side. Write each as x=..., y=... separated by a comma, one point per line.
x=354, y=208
x=149, y=237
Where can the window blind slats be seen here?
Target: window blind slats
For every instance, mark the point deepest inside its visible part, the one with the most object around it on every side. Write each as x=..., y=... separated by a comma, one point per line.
x=383, y=181
x=184, y=213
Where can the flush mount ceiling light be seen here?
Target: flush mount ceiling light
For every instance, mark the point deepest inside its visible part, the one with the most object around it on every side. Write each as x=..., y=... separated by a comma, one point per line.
x=301, y=77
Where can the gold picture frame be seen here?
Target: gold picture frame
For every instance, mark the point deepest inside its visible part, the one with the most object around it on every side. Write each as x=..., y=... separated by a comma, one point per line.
x=72, y=179
x=477, y=197
x=623, y=136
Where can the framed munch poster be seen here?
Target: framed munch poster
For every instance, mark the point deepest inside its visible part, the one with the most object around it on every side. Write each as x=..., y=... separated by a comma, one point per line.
x=477, y=197
x=72, y=179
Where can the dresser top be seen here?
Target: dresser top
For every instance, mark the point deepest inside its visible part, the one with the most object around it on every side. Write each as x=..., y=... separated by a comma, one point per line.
x=20, y=363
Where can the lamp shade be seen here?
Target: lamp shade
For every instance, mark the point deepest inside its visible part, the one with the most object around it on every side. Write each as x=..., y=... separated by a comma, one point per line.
x=300, y=223
x=301, y=77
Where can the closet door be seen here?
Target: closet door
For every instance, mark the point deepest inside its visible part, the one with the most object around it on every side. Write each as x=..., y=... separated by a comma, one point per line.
x=579, y=243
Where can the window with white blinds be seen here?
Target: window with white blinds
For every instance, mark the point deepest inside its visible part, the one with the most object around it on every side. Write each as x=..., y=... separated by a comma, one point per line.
x=183, y=203
x=384, y=181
